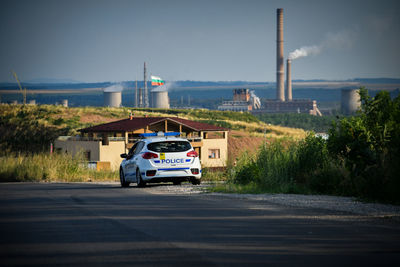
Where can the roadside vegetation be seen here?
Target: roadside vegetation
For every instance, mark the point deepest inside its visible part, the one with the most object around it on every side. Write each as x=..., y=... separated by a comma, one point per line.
x=360, y=158
x=44, y=167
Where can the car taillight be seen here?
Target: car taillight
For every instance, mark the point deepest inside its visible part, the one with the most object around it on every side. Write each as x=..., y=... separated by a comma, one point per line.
x=151, y=173
x=194, y=171
x=149, y=155
x=192, y=154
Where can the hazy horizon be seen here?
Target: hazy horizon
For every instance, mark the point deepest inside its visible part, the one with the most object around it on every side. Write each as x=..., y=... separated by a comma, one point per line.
x=227, y=40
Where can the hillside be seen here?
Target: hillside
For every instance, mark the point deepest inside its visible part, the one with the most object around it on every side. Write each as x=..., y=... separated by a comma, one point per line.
x=33, y=128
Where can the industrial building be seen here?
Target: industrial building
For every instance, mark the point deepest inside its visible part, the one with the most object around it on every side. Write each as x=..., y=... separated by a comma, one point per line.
x=246, y=100
x=284, y=102
x=103, y=144
x=243, y=100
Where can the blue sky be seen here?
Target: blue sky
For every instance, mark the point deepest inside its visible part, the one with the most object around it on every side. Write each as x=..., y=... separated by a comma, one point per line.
x=217, y=40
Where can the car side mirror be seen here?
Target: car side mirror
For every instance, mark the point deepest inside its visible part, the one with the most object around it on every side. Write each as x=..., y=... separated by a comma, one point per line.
x=124, y=155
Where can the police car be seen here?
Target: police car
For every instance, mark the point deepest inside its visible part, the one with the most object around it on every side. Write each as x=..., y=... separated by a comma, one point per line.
x=160, y=157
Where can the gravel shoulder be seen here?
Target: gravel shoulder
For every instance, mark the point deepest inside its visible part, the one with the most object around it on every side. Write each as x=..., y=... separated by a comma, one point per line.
x=335, y=203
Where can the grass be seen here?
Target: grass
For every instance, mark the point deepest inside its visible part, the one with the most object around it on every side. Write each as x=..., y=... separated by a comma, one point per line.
x=286, y=166
x=213, y=175
x=50, y=168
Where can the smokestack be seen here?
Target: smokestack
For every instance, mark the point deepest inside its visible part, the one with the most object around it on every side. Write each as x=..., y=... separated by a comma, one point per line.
x=146, y=96
x=289, y=80
x=140, y=97
x=136, y=94
x=280, y=79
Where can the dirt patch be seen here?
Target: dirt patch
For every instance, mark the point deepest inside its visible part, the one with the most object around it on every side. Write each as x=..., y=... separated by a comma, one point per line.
x=96, y=119
x=239, y=142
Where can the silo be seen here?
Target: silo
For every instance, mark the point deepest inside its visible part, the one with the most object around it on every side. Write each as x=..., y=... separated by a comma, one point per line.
x=112, y=99
x=160, y=99
x=64, y=103
x=350, y=101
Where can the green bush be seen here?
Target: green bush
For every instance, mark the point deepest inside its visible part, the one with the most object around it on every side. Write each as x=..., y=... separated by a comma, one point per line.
x=368, y=145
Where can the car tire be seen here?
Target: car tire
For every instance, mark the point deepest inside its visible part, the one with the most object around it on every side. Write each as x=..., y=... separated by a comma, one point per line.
x=139, y=180
x=122, y=179
x=196, y=181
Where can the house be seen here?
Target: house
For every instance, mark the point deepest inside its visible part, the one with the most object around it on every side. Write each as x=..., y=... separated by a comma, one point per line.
x=103, y=144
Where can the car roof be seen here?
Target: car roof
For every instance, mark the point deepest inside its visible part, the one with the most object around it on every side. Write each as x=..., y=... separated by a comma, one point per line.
x=162, y=139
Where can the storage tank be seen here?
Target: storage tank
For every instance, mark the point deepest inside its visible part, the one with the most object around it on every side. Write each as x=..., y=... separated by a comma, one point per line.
x=350, y=101
x=64, y=103
x=160, y=99
x=112, y=99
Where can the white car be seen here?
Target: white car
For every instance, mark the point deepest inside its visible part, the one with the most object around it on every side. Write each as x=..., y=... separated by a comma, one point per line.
x=158, y=158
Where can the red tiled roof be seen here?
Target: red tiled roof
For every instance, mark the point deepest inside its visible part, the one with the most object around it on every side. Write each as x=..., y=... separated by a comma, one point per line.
x=127, y=125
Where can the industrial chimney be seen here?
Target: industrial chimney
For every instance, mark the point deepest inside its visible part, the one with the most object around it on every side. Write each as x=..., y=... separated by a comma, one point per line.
x=289, y=80
x=146, y=94
x=280, y=79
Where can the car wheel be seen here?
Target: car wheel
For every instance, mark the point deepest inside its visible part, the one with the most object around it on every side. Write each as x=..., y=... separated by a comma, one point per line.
x=122, y=179
x=139, y=180
x=196, y=181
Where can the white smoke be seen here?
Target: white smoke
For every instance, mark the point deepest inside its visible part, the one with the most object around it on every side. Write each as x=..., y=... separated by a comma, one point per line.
x=340, y=40
x=114, y=88
x=305, y=51
x=164, y=87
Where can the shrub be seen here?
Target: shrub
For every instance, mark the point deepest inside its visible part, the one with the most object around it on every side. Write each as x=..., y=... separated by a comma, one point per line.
x=368, y=145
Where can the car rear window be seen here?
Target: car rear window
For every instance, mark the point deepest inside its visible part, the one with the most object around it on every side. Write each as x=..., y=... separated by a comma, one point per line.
x=169, y=146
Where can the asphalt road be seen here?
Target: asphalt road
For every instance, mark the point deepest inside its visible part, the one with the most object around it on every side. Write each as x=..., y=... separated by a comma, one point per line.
x=95, y=225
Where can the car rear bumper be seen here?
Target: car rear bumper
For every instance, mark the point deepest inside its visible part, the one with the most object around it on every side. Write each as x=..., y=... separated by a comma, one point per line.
x=170, y=179
x=171, y=174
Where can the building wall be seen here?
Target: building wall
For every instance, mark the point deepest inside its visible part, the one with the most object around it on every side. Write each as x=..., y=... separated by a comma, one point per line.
x=296, y=105
x=98, y=152
x=222, y=145
x=111, y=153
x=73, y=147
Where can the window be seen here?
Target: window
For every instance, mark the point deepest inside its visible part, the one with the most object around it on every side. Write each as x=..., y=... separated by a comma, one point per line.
x=213, y=154
x=169, y=146
x=86, y=155
x=139, y=147
x=132, y=150
x=214, y=135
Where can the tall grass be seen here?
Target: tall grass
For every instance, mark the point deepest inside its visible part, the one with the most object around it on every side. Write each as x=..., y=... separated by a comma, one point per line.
x=49, y=168
x=286, y=166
